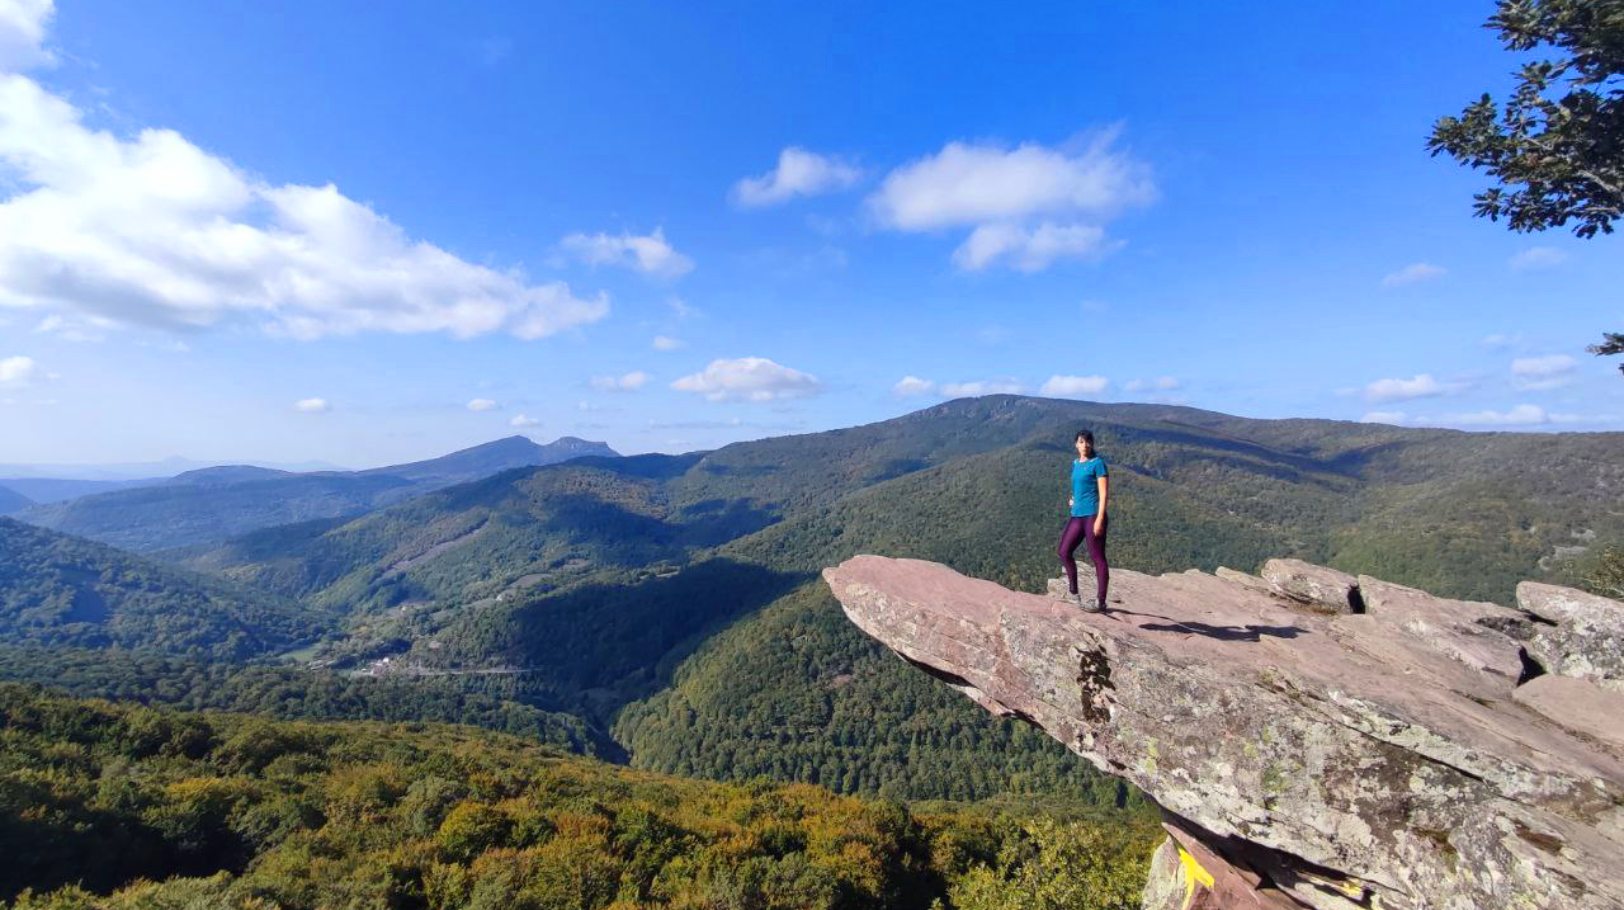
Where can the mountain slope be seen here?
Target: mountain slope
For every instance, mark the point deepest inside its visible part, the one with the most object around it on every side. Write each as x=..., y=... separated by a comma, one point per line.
x=120, y=806
x=211, y=505
x=12, y=501
x=673, y=598
x=61, y=590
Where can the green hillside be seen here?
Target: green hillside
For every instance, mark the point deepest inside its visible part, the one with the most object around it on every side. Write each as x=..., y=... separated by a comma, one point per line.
x=12, y=501
x=110, y=806
x=61, y=590
x=673, y=600
x=206, y=507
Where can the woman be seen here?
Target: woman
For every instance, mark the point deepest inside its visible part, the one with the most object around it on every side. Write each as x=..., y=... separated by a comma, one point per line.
x=1089, y=491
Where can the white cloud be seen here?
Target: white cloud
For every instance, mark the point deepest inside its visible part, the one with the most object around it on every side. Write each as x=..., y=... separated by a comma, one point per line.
x=1521, y=415
x=312, y=405
x=1538, y=257
x=1031, y=249
x=1414, y=273
x=681, y=308
x=799, y=173
x=482, y=404
x=18, y=371
x=1539, y=373
x=1159, y=384
x=1074, y=386
x=23, y=25
x=649, y=254
x=522, y=421
x=154, y=230
x=982, y=387
x=1500, y=341
x=1029, y=206
x=1422, y=385
x=967, y=184
x=666, y=343
x=629, y=382
x=1397, y=418
x=749, y=379
x=913, y=387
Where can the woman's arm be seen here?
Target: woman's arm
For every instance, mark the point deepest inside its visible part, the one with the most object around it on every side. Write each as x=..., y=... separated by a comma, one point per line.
x=1105, y=493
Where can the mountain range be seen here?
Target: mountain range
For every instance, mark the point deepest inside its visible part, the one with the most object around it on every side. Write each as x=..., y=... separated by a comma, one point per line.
x=209, y=505
x=670, y=602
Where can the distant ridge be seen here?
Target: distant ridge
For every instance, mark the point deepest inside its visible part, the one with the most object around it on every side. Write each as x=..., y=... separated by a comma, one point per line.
x=495, y=456
x=213, y=504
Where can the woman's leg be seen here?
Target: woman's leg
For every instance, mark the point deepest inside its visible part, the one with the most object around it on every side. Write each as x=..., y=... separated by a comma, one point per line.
x=1069, y=539
x=1096, y=554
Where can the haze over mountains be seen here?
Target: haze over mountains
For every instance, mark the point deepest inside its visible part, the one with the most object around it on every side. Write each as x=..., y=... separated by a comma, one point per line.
x=211, y=504
x=668, y=604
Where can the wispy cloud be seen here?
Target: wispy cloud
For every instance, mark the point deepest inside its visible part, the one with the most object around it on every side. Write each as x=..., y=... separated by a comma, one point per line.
x=666, y=343
x=981, y=387
x=1074, y=386
x=1414, y=273
x=1521, y=415
x=749, y=379
x=799, y=173
x=482, y=404
x=23, y=26
x=523, y=422
x=18, y=371
x=1538, y=257
x=1423, y=385
x=1159, y=384
x=913, y=387
x=1031, y=249
x=650, y=253
x=312, y=405
x=628, y=382
x=1027, y=206
x=1540, y=373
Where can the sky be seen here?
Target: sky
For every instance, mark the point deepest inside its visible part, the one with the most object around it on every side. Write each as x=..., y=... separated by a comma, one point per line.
x=361, y=233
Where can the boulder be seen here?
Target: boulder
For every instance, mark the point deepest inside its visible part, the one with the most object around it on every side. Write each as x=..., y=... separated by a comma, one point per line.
x=1582, y=635
x=1244, y=579
x=1314, y=586
x=1389, y=759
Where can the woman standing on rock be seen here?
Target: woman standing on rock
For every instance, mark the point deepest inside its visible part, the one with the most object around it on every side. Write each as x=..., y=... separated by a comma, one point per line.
x=1089, y=492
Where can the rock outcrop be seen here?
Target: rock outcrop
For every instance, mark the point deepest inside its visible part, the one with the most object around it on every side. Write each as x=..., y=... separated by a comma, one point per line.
x=1415, y=754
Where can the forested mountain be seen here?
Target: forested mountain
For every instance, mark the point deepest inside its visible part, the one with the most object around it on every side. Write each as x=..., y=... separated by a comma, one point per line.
x=12, y=501
x=57, y=489
x=211, y=505
x=61, y=590
x=673, y=600
x=106, y=806
x=599, y=586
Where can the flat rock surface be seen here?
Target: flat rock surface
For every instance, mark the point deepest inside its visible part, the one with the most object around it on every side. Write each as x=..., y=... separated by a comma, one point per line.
x=1345, y=758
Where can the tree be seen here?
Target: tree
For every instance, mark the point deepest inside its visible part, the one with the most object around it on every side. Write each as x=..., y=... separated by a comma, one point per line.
x=1612, y=343
x=1557, y=146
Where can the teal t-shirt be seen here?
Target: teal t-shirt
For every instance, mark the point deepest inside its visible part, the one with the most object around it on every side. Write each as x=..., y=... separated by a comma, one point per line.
x=1085, y=490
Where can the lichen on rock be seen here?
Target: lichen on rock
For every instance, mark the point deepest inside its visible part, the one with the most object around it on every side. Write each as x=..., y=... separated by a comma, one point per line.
x=1403, y=751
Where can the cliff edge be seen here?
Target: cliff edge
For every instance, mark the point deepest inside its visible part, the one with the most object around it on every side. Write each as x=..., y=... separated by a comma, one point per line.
x=1314, y=739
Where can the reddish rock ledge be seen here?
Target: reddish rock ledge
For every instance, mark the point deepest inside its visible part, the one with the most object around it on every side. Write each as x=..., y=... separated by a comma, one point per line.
x=1413, y=755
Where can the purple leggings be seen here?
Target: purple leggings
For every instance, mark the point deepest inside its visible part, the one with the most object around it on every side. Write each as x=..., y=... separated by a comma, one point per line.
x=1081, y=530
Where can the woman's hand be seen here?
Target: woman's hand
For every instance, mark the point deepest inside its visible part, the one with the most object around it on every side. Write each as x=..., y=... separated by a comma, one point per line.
x=1099, y=525
x=1071, y=503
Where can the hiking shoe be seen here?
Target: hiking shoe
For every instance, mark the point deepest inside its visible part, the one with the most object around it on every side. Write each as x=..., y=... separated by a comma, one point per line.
x=1087, y=606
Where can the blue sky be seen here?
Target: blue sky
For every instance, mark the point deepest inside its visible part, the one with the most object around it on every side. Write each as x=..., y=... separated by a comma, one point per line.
x=366, y=233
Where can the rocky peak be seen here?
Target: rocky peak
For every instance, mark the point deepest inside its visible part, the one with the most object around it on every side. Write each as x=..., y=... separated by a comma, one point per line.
x=1315, y=740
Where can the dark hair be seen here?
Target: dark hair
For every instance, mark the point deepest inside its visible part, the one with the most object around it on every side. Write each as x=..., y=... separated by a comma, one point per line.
x=1085, y=436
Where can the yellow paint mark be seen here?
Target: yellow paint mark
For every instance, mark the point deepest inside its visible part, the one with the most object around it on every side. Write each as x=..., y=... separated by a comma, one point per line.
x=1194, y=874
